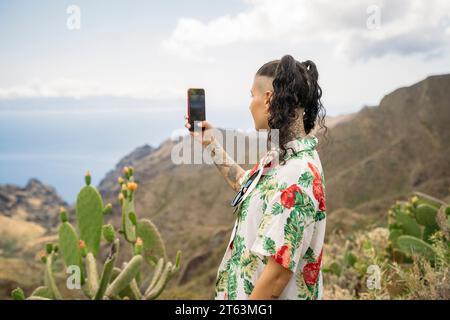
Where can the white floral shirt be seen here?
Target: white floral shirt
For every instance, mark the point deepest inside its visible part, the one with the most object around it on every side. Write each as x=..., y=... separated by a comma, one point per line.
x=282, y=215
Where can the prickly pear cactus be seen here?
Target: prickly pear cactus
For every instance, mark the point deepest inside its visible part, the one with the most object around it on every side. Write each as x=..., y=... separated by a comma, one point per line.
x=89, y=211
x=79, y=250
x=412, y=224
x=153, y=243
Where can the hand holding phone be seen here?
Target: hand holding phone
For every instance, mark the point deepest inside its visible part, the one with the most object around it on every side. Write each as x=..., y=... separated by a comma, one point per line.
x=196, y=115
x=196, y=106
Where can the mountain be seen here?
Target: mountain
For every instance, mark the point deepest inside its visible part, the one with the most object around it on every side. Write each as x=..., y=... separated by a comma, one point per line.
x=28, y=217
x=36, y=202
x=387, y=151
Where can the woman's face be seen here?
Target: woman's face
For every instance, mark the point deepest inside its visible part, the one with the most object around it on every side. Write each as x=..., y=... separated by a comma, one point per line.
x=261, y=92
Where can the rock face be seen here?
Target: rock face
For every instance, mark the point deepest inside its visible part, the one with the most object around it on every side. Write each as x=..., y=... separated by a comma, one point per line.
x=28, y=216
x=36, y=202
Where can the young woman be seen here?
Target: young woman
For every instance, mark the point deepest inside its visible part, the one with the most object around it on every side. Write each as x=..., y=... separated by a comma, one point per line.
x=275, y=250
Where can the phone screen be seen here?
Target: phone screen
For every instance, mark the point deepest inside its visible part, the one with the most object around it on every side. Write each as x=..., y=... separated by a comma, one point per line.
x=196, y=106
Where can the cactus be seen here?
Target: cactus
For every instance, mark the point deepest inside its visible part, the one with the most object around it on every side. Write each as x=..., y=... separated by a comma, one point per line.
x=43, y=292
x=18, y=294
x=69, y=243
x=89, y=212
x=107, y=272
x=154, y=247
x=49, y=279
x=108, y=233
x=125, y=277
x=411, y=225
x=92, y=274
x=411, y=245
x=81, y=249
x=426, y=215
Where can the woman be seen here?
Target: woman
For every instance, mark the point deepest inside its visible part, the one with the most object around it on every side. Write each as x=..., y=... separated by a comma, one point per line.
x=275, y=250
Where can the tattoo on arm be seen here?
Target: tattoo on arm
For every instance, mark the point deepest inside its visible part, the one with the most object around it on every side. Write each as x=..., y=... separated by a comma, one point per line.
x=229, y=169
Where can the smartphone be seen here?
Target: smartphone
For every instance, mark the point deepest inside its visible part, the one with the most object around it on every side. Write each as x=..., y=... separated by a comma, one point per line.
x=196, y=106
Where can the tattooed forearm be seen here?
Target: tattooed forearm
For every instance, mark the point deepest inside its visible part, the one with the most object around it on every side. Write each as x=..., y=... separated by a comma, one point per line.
x=229, y=169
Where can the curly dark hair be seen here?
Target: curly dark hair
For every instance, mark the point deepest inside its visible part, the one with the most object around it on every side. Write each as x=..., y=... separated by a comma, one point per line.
x=295, y=86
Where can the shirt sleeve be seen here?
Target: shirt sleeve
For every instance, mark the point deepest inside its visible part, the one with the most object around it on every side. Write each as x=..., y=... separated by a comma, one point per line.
x=280, y=232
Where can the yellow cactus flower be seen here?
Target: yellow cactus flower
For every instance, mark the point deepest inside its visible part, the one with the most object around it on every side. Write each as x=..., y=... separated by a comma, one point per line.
x=132, y=186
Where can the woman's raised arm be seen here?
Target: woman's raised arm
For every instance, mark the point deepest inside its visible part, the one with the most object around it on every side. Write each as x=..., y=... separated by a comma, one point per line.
x=229, y=169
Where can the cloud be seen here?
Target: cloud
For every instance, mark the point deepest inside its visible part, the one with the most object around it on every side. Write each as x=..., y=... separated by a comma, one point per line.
x=406, y=27
x=74, y=88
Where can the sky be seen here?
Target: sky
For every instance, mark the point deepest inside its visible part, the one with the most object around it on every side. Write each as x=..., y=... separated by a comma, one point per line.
x=157, y=49
x=83, y=82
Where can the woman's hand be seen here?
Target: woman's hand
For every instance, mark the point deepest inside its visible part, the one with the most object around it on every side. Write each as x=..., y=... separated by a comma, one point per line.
x=202, y=136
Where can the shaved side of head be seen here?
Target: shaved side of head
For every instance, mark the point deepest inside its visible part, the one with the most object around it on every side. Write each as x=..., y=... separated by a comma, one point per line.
x=263, y=84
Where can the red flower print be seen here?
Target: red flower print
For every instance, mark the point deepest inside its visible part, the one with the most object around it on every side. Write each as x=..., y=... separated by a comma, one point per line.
x=288, y=196
x=282, y=256
x=317, y=187
x=311, y=271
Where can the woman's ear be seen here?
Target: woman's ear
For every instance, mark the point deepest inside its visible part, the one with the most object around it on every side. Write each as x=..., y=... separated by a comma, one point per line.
x=267, y=99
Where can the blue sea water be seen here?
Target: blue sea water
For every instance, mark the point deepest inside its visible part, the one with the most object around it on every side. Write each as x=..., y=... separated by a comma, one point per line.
x=58, y=140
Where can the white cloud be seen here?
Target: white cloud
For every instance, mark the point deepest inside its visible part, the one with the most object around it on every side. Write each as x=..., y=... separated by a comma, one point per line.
x=407, y=27
x=74, y=88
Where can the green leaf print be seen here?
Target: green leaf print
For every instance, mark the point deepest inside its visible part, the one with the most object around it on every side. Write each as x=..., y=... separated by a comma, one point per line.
x=304, y=206
x=282, y=186
x=277, y=208
x=244, y=209
x=248, y=287
x=267, y=187
x=306, y=179
x=309, y=255
x=238, y=247
x=267, y=217
x=320, y=215
x=232, y=284
x=269, y=245
x=303, y=291
x=264, y=206
x=249, y=264
x=221, y=281
x=300, y=200
x=293, y=231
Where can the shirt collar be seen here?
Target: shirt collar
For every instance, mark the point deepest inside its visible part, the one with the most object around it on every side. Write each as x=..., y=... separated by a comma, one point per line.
x=308, y=142
x=305, y=143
